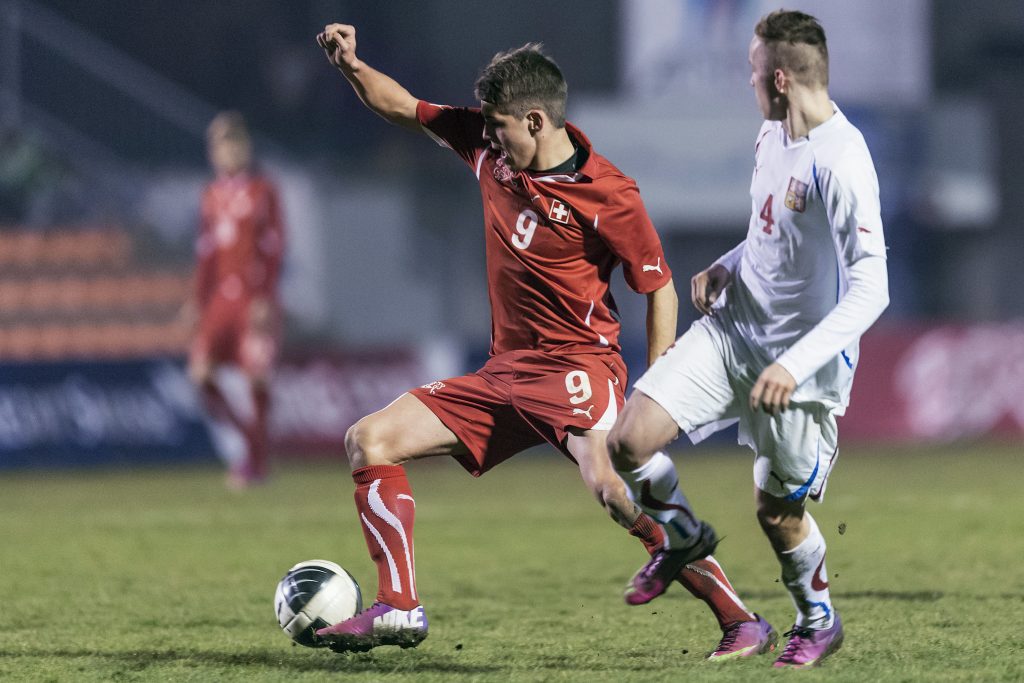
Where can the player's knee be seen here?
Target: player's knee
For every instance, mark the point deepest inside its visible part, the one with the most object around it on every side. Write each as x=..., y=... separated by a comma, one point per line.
x=366, y=443
x=623, y=449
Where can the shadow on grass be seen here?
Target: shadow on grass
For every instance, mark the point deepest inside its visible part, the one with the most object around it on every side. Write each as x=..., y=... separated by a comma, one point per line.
x=900, y=596
x=137, y=660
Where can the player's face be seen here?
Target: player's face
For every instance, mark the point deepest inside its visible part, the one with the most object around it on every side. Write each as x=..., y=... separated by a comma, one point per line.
x=229, y=155
x=509, y=136
x=770, y=101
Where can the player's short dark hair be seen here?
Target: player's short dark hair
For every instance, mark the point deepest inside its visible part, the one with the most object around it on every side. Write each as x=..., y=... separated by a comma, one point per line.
x=523, y=79
x=784, y=33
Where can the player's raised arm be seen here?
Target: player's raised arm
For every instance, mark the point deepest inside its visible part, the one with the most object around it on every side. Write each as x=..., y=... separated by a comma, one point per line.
x=380, y=93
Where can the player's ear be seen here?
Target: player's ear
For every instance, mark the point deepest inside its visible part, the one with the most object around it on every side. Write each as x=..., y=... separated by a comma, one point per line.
x=534, y=121
x=781, y=81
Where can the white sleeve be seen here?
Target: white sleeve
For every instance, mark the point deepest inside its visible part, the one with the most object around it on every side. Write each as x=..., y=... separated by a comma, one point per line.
x=849, y=189
x=864, y=301
x=731, y=259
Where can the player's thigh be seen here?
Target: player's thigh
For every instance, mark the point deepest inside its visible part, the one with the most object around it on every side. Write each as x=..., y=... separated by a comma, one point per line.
x=690, y=381
x=795, y=450
x=404, y=430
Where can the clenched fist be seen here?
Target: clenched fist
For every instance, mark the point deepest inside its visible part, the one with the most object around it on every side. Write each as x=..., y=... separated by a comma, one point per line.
x=339, y=42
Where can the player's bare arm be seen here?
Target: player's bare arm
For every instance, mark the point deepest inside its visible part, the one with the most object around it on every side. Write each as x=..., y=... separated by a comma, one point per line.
x=707, y=285
x=380, y=93
x=662, y=311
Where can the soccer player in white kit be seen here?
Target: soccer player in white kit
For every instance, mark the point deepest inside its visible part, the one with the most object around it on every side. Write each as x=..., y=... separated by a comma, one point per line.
x=777, y=347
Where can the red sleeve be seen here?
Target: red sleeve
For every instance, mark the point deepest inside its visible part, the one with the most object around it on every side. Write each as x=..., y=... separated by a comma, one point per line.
x=205, y=255
x=627, y=230
x=460, y=129
x=270, y=243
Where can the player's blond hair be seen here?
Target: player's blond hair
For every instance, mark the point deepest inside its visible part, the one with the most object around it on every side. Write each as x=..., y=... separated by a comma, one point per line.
x=523, y=79
x=795, y=43
x=228, y=125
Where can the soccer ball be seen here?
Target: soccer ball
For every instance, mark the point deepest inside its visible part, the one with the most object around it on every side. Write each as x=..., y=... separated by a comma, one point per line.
x=313, y=595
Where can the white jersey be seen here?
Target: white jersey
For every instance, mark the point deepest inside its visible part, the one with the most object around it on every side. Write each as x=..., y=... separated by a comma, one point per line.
x=815, y=232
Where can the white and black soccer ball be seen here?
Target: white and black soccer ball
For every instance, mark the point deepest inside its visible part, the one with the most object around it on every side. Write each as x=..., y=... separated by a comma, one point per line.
x=313, y=595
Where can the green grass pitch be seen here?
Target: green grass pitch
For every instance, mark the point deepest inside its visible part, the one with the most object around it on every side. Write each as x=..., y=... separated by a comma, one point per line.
x=163, y=575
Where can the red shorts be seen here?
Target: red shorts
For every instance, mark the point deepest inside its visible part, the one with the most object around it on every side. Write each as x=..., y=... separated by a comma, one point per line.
x=224, y=336
x=521, y=399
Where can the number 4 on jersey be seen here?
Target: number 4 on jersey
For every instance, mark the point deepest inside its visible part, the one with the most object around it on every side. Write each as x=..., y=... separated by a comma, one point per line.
x=766, y=215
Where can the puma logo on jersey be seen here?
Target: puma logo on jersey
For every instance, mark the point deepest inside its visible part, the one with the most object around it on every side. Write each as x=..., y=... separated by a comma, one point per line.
x=656, y=266
x=860, y=229
x=434, y=387
x=400, y=619
x=580, y=411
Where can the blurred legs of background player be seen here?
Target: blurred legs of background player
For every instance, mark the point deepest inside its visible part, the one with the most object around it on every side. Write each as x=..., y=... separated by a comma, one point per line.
x=230, y=365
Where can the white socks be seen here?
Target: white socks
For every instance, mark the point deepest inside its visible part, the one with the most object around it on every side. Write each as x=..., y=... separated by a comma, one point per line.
x=805, y=575
x=655, y=488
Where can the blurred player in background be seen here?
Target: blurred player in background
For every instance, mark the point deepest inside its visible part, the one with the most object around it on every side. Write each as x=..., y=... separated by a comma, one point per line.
x=235, y=308
x=558, y=219
x=783, y=314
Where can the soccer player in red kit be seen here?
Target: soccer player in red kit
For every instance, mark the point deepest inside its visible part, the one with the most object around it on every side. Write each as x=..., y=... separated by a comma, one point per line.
x=558, y=219
x=235, y=307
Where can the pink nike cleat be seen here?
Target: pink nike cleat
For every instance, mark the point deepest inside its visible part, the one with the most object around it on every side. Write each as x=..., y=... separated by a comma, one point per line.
x=746, y=639
x=807, y=647
x=661, y=570
x=380, y=624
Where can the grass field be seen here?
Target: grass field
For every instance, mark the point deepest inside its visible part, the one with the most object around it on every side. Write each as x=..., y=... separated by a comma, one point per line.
x=162, y=575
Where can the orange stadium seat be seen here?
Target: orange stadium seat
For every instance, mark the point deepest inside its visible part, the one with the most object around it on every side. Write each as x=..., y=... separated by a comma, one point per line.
x=78, y=293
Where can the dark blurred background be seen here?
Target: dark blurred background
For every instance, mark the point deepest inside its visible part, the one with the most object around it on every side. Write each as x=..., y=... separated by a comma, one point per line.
x=103, y=107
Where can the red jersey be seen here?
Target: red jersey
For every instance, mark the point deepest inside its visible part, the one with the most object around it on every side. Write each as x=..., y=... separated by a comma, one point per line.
x=553, y=240
x=241, y=240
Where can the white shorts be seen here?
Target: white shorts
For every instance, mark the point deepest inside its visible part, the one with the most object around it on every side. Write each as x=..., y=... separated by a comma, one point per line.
x=704, y=380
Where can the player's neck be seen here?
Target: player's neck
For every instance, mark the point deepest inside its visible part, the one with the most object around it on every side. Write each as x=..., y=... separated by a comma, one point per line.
x=553, y=150
x=808, y=109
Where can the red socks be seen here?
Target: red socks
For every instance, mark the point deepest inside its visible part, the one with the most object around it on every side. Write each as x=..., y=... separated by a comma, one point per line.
x=256, y=433
x=386, y=513
x=706, y=580
x=649, y=532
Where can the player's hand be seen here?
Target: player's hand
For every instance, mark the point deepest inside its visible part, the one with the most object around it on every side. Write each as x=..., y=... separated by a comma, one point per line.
x=261, y=316
x=772, y=390
x=187, y=319
x=200, y=370
x=707, y=285
x=339, y=42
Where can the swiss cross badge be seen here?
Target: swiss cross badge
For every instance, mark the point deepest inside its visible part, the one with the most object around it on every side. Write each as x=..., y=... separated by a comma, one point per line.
x=796, y=195
x=559, y=212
